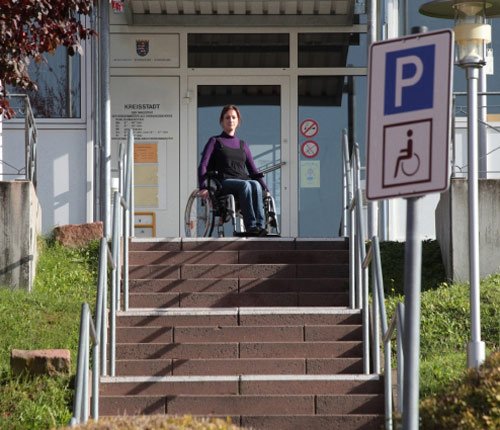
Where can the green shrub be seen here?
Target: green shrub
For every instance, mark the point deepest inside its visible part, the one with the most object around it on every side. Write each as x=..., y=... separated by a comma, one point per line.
x=445, y=330
x=446, y=317
x=392, y=256
x=471, y=404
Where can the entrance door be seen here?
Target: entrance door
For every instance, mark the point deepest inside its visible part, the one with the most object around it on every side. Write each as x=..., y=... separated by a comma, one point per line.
x=263, y=104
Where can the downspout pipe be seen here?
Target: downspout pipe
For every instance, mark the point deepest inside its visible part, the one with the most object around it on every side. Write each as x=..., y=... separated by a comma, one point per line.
x=105, y=119
x=372, y=15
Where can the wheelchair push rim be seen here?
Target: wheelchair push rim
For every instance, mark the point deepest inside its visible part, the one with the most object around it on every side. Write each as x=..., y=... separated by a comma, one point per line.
x=198, y=216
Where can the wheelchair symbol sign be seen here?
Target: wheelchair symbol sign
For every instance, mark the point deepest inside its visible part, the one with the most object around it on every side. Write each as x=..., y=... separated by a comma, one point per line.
x=409, y=115
x=407, y=153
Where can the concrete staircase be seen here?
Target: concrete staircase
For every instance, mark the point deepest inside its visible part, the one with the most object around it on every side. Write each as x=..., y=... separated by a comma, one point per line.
x=255, y=329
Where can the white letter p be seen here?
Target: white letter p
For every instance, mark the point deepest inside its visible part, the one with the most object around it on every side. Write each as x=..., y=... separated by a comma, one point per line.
x=409, y=81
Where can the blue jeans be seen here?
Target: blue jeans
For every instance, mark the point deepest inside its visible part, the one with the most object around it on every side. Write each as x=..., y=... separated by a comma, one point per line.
x=249, y=195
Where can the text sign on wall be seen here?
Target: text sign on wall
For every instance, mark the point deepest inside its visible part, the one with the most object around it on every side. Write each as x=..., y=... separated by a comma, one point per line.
x=148, y=105
x=144, y=50
x=409, y=118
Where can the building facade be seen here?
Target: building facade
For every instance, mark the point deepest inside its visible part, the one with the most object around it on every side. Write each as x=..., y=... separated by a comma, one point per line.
x=296, y=69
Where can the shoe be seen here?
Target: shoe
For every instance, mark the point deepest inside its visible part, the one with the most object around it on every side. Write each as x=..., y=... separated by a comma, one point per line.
x=253, y=231
x=262, y=232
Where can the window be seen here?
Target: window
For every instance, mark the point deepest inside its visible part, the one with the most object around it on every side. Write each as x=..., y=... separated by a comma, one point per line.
x=59, y=86
x=238, y=50
x=325, y=49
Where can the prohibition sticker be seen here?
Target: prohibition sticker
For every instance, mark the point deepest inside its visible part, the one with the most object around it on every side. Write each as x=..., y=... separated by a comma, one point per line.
x=309, y=149
x=309, y=128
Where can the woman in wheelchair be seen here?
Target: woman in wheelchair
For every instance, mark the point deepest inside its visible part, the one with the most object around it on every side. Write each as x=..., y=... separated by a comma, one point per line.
x=232, y=163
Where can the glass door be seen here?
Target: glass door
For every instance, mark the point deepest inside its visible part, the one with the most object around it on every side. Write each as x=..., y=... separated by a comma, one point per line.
x=264, y=125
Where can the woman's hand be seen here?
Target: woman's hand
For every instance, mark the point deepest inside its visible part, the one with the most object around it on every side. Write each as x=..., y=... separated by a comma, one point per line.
x=203, y=193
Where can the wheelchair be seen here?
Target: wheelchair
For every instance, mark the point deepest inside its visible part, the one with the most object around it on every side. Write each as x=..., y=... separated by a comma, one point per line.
x=208, y=217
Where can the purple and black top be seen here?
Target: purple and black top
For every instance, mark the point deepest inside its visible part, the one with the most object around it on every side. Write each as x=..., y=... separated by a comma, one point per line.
x=230, y=157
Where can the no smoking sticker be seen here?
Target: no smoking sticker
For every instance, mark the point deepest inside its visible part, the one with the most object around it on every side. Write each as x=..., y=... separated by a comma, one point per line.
x=309, y=128
x=309, y=149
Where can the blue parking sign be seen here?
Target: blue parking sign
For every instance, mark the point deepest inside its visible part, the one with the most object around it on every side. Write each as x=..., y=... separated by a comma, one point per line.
x=409, y=80
x=409, y=115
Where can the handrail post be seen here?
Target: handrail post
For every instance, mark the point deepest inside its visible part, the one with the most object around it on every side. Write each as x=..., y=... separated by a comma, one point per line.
x=80, y=367
x=360, y=232
x=364, y=285
x=101, y=291
x=400, y=356
x=86, y=354
x=388, y=385
x=115, y=282
x=127, y=220
x=375, y=320
x=353, y=300
x=349, y=217
x=346, y=186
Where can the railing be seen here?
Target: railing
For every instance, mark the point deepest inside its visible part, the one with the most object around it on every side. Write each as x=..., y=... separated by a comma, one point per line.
x=98, y=332
x=358, y=279
x=360, y=261
x=397, y=323
x=461, y=168
x=29, y=171
x=121, y=232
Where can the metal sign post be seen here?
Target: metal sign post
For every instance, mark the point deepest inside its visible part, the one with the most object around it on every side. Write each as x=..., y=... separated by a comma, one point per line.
x=409, y=89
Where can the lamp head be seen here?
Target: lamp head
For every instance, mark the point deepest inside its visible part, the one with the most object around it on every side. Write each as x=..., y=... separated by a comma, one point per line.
x=471, y=31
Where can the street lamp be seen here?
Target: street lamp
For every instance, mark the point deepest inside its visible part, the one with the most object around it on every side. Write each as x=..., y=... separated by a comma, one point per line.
x=471, y=36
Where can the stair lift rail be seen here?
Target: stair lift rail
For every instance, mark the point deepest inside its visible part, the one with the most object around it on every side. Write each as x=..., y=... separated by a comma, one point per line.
x=360, y=263
x=109, y=253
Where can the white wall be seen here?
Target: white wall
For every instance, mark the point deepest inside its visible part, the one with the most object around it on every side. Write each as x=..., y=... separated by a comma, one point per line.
x=62, y=172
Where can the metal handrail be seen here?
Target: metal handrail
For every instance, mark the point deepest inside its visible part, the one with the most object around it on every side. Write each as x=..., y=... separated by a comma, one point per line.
x=30, y=144
x=353, y=211
x=360, y=261
x=108, y=254
x=87, y=333
x=482, y=122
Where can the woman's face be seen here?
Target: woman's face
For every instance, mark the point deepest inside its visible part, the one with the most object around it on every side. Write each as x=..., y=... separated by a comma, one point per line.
x=230, y=122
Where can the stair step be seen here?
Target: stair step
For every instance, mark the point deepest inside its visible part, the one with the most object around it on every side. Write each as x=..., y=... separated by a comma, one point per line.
x=241, y=384
x=246, y=316
x=166, y=300
x=239, y=366
x=339, y=349
x=276, y=404
x=229, y=244
x=313, y=422
x=255, y=329
x=231, y=285
x=168, y=334
x=195, y=271
x=239, y=257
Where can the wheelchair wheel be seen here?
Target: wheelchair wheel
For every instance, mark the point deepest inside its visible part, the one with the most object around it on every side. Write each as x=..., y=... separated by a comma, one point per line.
x=272, y=224
x=198, y=216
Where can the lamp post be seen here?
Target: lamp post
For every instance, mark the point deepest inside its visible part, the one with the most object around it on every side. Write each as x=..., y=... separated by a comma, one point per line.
x=471, y=36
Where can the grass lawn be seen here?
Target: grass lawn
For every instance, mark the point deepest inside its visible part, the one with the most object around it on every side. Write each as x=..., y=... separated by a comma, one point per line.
x=48, y=317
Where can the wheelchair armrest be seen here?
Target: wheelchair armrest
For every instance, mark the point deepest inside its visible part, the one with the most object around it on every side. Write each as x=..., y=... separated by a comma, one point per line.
x=213, y=181
x=257, y=176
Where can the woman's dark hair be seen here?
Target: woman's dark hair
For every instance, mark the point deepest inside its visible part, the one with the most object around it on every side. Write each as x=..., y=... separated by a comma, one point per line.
x=230, y=107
